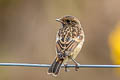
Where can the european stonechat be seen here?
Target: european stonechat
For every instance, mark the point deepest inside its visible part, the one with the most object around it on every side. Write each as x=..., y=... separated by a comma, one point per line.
x=69, y=41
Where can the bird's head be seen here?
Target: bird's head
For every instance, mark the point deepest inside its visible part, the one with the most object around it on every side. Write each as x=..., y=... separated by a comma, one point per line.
x=69, y=20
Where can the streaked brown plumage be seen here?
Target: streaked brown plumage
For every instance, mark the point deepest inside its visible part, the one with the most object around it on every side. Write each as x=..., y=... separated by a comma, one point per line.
x=69, y=41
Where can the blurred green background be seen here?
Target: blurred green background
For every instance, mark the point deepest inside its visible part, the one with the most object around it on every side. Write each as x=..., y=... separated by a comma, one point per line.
x=28, y=30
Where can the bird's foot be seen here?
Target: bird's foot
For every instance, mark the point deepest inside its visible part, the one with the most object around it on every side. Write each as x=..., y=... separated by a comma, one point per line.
x=76, y=66
x=66, y=68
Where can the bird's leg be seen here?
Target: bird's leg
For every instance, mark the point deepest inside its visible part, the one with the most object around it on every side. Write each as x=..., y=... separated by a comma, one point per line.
x=76, y=63
x=66, y=68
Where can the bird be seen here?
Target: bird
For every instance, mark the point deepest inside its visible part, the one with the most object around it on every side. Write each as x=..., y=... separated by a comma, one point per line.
x=69, y=41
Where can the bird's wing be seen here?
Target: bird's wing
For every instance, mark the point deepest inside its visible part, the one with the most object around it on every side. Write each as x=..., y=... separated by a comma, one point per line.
x=66, y=44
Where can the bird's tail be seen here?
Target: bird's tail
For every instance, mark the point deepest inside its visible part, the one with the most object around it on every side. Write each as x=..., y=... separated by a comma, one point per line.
x=55, y=67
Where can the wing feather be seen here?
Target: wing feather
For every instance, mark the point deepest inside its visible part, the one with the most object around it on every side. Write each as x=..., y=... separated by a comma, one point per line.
x=68, y=46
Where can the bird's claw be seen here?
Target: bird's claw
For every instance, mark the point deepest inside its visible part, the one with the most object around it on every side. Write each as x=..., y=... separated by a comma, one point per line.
x=76, y=66
x=66, y=68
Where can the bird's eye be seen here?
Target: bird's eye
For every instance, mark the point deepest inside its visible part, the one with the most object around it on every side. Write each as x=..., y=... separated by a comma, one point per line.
x=68, y=21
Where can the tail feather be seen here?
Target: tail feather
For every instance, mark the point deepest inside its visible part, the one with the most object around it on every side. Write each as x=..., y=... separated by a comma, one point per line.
x=55, y=67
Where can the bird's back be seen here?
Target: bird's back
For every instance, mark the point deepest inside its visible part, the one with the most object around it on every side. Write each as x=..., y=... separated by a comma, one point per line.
x=68, y=39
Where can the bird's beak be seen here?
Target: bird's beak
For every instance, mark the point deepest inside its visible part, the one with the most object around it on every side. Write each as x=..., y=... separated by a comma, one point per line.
x=59, y=20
